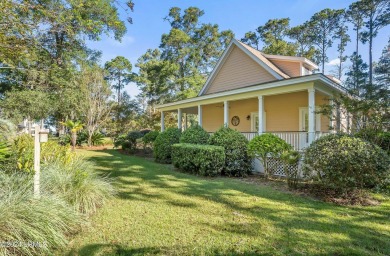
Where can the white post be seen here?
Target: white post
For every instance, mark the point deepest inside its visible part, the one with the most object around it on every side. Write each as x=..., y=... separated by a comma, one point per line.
x=185, y=122
x=226, y=113
x=179, y=119
x=200, y=115
x=162, y=121
x=312, y=128
x=261, y=114
x=37, y=161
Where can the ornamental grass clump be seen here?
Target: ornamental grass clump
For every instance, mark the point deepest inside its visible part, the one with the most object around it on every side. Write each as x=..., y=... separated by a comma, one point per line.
x=78, y=184
x=29, y=225
x=344, y=163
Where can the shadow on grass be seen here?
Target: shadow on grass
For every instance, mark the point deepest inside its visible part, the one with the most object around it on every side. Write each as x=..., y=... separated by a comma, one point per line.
x=307, y=223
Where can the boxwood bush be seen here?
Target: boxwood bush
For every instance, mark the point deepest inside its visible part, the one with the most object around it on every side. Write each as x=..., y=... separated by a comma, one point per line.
x=163, y=145
x=195, y=135
x=204, y=160
x=237, y=160
x=343, y=163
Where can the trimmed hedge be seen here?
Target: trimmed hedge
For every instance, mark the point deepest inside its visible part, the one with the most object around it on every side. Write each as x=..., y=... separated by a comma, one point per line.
x=195, y=135
x=150, y=137
x=163, y=145
x=342, y=163
x=204, y=160
x=237, y=160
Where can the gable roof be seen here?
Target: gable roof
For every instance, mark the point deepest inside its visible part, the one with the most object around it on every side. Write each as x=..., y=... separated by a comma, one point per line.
x=256, y=55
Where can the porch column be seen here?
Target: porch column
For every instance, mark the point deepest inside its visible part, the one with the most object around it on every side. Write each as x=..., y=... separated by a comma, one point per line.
x=200, y=116
x=261, y=114
x=332, y=117
x=226, y=113
x=162, y=121
x=179, y=118
x=312, y=128
x=185, y=122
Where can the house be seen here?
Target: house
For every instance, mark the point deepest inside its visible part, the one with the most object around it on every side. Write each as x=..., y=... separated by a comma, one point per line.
x=255, y=93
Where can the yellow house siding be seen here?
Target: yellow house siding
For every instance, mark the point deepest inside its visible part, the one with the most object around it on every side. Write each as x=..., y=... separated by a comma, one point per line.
x=212, y=117
x=293, y=69
x=282, y=112
x=237, y=71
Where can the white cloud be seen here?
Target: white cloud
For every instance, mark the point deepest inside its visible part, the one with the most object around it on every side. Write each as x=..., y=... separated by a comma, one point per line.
x=333, y=62
x=126, y=41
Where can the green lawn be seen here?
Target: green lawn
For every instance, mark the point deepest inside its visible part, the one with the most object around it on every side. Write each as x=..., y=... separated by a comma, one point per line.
x=161, y=211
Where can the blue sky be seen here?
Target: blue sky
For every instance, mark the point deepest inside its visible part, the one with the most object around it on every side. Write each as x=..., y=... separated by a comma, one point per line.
x=239, y=16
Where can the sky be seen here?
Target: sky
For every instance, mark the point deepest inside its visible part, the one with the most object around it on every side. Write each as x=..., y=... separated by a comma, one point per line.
x=240, y=16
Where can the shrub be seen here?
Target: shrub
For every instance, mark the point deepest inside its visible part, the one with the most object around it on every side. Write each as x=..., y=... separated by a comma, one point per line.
x=97, y=139
x=149, y=138
x=132, y=137
x=118, y=141
x=204, y=160
x=291, y=159
x=47, y=221
x=195, y=135
x=342, y=163
x=380, y=138
x=163, y=145
x=237, y=161
x=267, y=145
x=77, y=184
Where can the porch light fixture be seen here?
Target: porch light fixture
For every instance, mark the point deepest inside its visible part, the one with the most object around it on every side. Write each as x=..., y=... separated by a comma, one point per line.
x=248, y=117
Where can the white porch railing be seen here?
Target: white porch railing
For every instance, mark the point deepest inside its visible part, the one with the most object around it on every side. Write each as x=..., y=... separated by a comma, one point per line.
x=298, y=140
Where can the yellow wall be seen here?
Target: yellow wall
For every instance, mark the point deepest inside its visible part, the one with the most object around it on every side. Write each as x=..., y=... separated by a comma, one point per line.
x=282, y=112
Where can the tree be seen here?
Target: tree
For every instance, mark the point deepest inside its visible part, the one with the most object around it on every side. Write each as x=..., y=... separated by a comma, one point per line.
x=301, y=35
x=193, y=47
x=341, y=34
x=357, y=76
x=323, y=25
x=272, y=34
x=74, y=128
x=382, y=69
x=355, y=16
x=119, y=71
x=376, y=15
x=96, y=93
x=252, y=39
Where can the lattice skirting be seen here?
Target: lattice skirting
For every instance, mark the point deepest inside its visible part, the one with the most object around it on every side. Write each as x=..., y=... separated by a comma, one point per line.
x=278, y=168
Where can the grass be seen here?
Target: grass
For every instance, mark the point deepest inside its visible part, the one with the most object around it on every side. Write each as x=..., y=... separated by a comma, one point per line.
x=161, y=211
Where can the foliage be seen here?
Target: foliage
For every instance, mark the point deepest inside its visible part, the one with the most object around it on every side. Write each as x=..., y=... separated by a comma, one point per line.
x=237, y=161
x=77, y=183
x=195, y=135
x=205, y=160
x=74, y=127
x=163, y=145
x=323, y=26
x=291, y=159
x=97, y=139
x=7, y=130
x=149, y=138
x=267, y=145
x=380, y=138
x=132, y=138
x=119, y=140
x=47, y=221
x=119, y=72
x=4, y=151
x=186, y=55
x=344, y=163
x=96, y=95
x=301, y=35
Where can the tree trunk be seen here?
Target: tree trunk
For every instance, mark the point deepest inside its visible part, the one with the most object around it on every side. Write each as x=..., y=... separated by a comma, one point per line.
x=370, y=56
x=73, y=140
x=89, y=139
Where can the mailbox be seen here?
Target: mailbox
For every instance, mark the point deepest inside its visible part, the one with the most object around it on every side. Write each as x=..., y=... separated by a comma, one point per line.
x=44, y=135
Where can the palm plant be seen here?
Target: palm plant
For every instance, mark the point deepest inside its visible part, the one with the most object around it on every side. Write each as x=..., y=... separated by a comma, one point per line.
x=74, y=128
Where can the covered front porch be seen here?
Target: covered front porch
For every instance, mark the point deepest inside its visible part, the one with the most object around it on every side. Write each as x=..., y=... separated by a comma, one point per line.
x=291, y=116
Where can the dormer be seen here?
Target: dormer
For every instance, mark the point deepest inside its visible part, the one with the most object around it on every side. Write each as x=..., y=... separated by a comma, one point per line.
x=291, y=65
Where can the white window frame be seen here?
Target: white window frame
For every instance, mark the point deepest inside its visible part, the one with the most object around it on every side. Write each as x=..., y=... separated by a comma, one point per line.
x=254, y=116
